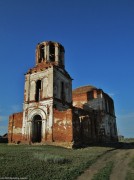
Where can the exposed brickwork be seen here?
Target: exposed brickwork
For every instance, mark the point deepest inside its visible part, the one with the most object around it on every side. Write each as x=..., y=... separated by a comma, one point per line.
x=80, y=98
x=48, y=137
x=83, y=89
x=40, y=67
x=62, y=128
x=15, y=128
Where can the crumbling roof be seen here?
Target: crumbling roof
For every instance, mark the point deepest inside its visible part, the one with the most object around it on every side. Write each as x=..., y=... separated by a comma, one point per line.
x=83, y=89
x=51, y=42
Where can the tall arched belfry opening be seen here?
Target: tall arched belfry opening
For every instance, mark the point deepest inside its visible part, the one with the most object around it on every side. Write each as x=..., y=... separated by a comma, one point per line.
x=52, y=113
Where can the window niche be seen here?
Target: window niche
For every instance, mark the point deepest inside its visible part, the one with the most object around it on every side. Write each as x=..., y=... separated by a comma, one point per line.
x=38, y=91
x=62, y=92
x=90, y=95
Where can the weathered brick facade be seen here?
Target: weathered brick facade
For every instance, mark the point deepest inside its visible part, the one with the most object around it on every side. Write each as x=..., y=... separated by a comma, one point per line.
x=62, y=128
x=52, y=113
x=15, y=128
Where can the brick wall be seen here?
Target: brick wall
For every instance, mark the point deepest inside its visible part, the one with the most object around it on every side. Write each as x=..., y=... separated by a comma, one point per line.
x=15, y=127
x=79, y=98
x=62, y=128
x=83, y=127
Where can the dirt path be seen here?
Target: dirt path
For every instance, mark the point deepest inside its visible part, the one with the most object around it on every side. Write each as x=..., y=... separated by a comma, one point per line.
x=120, y=157
x=121, y=161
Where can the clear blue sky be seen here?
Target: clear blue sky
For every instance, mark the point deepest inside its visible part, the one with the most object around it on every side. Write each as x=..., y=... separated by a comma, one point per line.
x=98, y=36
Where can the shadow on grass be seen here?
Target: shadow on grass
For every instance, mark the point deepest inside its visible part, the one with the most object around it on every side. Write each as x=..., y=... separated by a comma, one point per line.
x=117, y=145
x=3, y=141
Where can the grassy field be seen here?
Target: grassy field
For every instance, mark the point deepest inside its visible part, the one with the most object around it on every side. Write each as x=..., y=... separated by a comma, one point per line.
x=46, y=162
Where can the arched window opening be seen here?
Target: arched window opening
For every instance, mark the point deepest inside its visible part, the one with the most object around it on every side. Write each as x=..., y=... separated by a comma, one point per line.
x=52, y=52
x=42, y=53
x=37, y=128
x=38, y=91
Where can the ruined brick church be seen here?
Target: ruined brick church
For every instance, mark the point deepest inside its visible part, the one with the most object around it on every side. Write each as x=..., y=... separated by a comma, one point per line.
x=53, y=113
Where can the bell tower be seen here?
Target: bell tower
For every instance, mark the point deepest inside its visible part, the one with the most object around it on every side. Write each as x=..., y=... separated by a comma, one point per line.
x=50, y=52
x=48, y=86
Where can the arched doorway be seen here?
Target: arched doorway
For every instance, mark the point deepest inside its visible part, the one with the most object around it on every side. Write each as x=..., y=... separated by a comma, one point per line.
x=36, y=128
